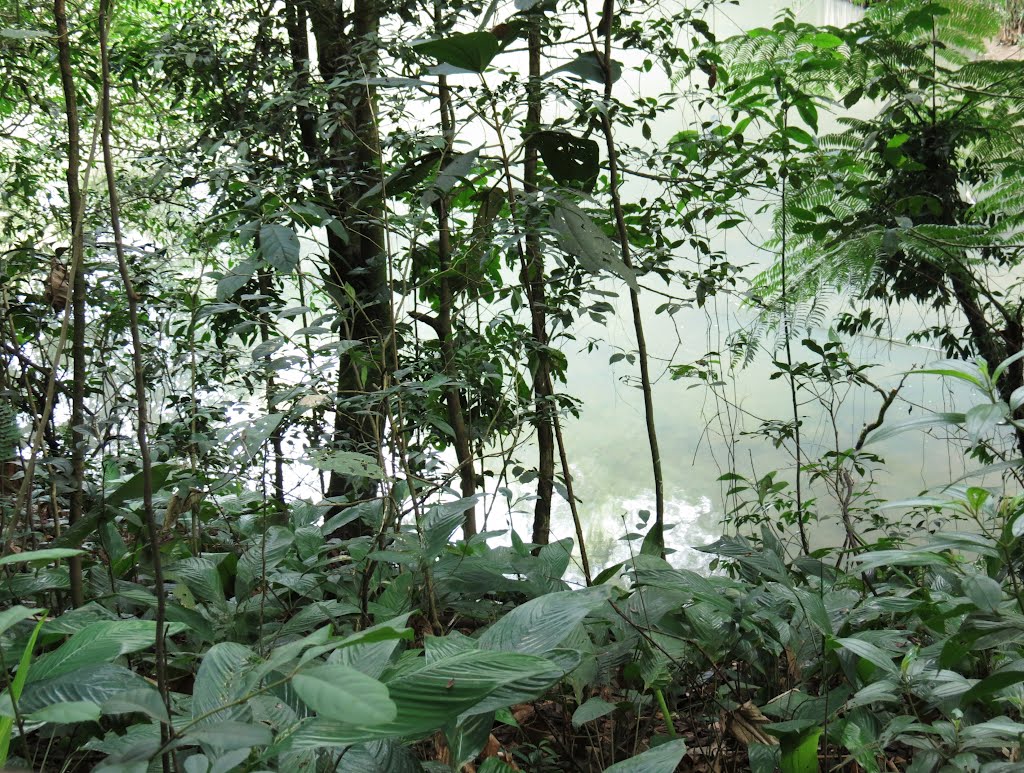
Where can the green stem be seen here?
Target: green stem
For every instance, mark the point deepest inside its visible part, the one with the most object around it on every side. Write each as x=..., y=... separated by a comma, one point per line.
x=664, y=712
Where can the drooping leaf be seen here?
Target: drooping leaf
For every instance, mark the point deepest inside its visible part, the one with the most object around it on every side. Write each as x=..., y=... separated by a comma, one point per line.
x=580, y=237
x=870, y=652
x=981, y=420
x=588, y=67
x=876, y=558
x=439, y=523
x=383, y=756
x=990, y=685
x=450, y=175
x=95, y=684
x=471, y=51
x=15, y=615
x=16, y=34
x=133, y=487
x=890, y=429
x=983, y=591
x=235, y=279
x=823, y=40
x=227, y=735
x=201, y=576
x=144, y=701
x=430, y=697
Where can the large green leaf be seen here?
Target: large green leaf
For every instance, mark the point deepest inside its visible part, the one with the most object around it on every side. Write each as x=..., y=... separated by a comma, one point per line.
x=541, y=624
x=799, y=741
x=571, y=160
x=14, y=615
x=224, y=676
x=983, y=591
x=595, y=708
x=279, y=246
x=133, y=487
x=660, y=759
x=876, y=558
x=348, y=463
x=450, y=175
x=893, y=428
x=430, y=697
x=235, y=279
x=46, y=555
x=471, y=51
x=870, y=652
x=344, y=694
x=145, y=700
x=96, y=684
x=384, y=756
x=226, y=735
x=99, y=642
x=588, y=67
x=439, y=523
x=69, y=712
x=202, y=578
x=581, y=238
x=992, y=684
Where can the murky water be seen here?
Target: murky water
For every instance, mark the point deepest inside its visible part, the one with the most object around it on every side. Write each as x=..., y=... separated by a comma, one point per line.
x=702, y=433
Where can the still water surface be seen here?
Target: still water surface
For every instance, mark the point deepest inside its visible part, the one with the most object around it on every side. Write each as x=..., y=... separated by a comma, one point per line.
x=701, y=435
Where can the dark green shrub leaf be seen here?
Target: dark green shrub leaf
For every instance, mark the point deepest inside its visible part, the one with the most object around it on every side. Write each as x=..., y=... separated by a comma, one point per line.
x=660, y=759
x=471, y=51
x=279, y=246
x=572, y=161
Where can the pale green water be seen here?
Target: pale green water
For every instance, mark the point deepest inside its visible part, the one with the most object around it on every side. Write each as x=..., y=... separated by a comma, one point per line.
x=701, y=435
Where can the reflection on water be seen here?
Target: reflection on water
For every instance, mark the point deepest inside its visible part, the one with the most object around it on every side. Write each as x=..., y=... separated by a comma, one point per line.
x=703, y=433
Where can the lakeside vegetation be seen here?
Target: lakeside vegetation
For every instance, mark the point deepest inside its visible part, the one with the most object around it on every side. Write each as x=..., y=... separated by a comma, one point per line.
x=286, y=295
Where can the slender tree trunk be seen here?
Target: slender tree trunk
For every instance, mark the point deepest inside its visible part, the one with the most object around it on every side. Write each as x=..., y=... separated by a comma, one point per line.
x=276, y=438
x=77, y=501
x=537, y=295
x=605, y=58
x=141, y=407
x=453, y=396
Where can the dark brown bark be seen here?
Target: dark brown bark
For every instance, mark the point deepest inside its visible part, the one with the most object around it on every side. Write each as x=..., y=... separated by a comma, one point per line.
x=347, y=50
x=276, y=437
x=77, y=499
x=138, y=372
x=537, y=294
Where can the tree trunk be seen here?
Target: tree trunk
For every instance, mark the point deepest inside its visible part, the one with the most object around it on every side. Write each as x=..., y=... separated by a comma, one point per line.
x=536, y=292
x=77, y=502
x=348, y=50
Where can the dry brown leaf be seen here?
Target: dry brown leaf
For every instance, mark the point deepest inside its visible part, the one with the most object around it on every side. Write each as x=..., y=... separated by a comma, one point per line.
x=491, y=748
x=523, y=713
x=56, y=293
x=745, y=722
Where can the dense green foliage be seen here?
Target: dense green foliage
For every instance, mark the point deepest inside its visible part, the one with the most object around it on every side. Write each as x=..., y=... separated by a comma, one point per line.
x=288, y=293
